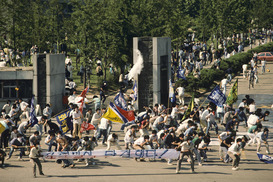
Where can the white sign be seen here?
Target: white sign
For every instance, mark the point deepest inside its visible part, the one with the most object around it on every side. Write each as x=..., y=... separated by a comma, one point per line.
x=153, y=153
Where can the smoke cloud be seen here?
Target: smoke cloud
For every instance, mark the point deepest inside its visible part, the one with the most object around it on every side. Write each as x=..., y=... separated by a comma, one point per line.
x=136, y=69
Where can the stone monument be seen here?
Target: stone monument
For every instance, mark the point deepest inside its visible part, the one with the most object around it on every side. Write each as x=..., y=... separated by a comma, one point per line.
x=153, y=81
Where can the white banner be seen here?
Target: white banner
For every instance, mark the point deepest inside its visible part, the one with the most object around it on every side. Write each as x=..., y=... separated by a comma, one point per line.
x=154, y=153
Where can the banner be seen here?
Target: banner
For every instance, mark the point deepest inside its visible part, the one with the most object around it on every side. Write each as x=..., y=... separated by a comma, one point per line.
x=120, y=101
x=3, y=126
x=153, y=153
x=113, y=114
x=65, y=121
x=86, y=127
x=181, y=73
x=135, y=91
x=265, y=158
x=127, y=115
x=233, y=94
x=217, y=97
x=171, y=92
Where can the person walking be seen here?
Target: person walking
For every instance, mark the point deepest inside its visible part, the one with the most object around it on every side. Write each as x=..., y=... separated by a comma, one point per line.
x=34, y=155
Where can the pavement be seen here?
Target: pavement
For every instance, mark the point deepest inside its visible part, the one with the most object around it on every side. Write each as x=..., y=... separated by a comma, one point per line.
x=121, y=169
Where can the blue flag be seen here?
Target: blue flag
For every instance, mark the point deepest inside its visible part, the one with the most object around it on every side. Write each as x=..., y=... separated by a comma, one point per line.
x=33, y=119
x=181, y=73
x=135, y=91
x=217, y=97
x=65, y=121
x=265, y=158
x=120, y=101
x=171, y=92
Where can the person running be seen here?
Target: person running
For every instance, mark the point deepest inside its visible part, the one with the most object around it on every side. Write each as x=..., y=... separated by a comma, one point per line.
x=262, y=137
x=34, y=155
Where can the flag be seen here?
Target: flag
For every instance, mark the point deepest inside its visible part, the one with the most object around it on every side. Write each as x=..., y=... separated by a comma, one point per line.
x=3, y=126
x=135, y=91
x=181, y=73
x=190, y=109
x=33, y=119
x=114, y=115
x=128, y=115
x=65, y=121
x=265, y=158
x=171, y=92
x=217, y=97
x=120, y=101
x=83, y=95
x=85, y=91
x=233, y=94
x=86, y=127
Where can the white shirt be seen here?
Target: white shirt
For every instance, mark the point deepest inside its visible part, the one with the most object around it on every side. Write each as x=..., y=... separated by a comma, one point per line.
x=158, y=120
x=68, y=60
x=204, y=114
x=223, y=135
x=76, y=115
x=112, y=139
x=252, y=120
x=242, y=104
x=21, y=128
x=244, y=67
x=129, y=138
x=180, y=91
x=23, y=105
x=95, y=119
x=174, y=112
x=263, y=62
x=103, y=124
x=224, y=82
x=252, y=108
x=139, y=141
x=234, y=148
x=71, y=99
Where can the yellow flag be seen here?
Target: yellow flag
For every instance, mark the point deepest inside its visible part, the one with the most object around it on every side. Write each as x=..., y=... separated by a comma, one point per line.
x=233, y=94
x=112, y=116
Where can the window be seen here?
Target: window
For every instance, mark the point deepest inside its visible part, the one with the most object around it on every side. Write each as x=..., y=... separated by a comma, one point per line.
x=8, y=89
x=262, y=54
x=267, y=54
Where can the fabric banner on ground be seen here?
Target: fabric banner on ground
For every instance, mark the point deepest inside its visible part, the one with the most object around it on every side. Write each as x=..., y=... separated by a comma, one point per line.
x=154, y=153
x=265, y=158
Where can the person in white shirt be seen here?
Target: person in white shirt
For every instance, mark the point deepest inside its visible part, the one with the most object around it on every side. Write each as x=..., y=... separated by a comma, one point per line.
x=263, y=63
x=244, y=70
x=7, y=107
x=252, y=120
x=181, y=92
x=129, y=137
x=252, y=108
x=261, y=137
x=71, y=98
x=211, y=121
x=142, y=143
x=23, y=127
x=24, y=109
x=242, y=104
x=113, y=140
x=50, y=141
x=220, y=112
x=104, y=123
x=186, y=149
x=158, y=122
x=234, y=152
x=68, y=60
x=77, y=116
x=203, y=120
x=224, y=85
x=95, y=121
x=34, y=155
x=175, y=112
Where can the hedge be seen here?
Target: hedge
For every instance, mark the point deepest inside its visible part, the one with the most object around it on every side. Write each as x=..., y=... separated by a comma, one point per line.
x=209, y=76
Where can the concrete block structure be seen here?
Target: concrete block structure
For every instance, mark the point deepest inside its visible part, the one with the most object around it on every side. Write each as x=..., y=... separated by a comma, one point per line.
x=46, y=80
x=153, y=81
